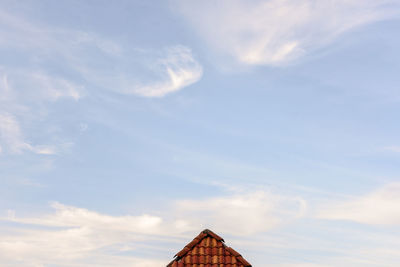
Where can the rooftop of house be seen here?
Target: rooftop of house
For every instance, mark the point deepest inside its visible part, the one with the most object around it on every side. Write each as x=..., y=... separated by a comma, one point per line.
x=208, y=250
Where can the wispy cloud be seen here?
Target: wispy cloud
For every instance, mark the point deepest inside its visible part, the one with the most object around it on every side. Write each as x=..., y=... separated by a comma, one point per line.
x=277, y=32
x=71, y=235
x=379, y=207
x=258, y=220
x=162, y=72
x=21, y=87
x=180, y=69
x=22, y=97
x=99, y=60
x=231, y=214
x=76, y=235
x=11, y=136
x=13, y=141
x=52, y=63
x=68, y=216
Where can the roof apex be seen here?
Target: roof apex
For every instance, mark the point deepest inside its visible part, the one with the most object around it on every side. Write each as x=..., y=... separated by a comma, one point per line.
x=212, y=234
x=187, y=251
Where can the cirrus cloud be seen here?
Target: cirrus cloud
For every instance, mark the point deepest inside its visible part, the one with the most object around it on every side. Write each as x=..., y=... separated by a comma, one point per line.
x=180, y=70
x=276, y=32
x=50, y=63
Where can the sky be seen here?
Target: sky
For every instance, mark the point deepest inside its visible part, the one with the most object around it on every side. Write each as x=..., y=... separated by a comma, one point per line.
x=128, y=127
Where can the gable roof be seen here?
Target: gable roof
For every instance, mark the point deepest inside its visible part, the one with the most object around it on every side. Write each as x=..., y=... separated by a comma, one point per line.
x=208, y=250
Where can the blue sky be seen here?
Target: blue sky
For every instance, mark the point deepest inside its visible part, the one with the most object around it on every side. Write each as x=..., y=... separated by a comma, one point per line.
x=126, y=128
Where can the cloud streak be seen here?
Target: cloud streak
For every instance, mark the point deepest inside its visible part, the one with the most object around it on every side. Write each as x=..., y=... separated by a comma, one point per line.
x=179, y=68
x=231, y=214
x=92, y=56
x=258, y=220
x=278, y=32
x=52, y=63
x=161, y=72
x=23, y=96
x=381, y=207
x=74, y=235
x=13, y=141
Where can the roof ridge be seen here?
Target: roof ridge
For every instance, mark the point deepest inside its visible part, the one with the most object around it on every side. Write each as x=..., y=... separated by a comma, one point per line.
x=238, y=256
x=199, y=238
x=212, y=234
x=203, y=234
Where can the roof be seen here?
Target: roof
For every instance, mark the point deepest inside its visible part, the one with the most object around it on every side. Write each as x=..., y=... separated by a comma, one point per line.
x=208, y=250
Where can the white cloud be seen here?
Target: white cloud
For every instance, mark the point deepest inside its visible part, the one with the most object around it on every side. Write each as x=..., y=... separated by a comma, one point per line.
x=71, y=235
x=67, y=216
x=31, y=82
x=10, y=134
x=12, y=139
x=21, y=87
x=179, y=68
x=55, y=88
x=24, y=94
x=279, y=31
x=79, y=237
x=379, y=207
x=99, y=60
x=156, y=73
x=231, y=214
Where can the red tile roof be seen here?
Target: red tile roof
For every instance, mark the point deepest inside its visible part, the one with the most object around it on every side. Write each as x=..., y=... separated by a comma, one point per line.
x=208, y=250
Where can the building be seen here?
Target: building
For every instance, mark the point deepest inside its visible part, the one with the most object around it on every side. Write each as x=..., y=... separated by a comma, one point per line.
x=208, y=250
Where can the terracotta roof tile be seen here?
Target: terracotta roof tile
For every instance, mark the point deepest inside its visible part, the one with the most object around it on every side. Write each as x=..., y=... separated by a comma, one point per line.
x=208, y=250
